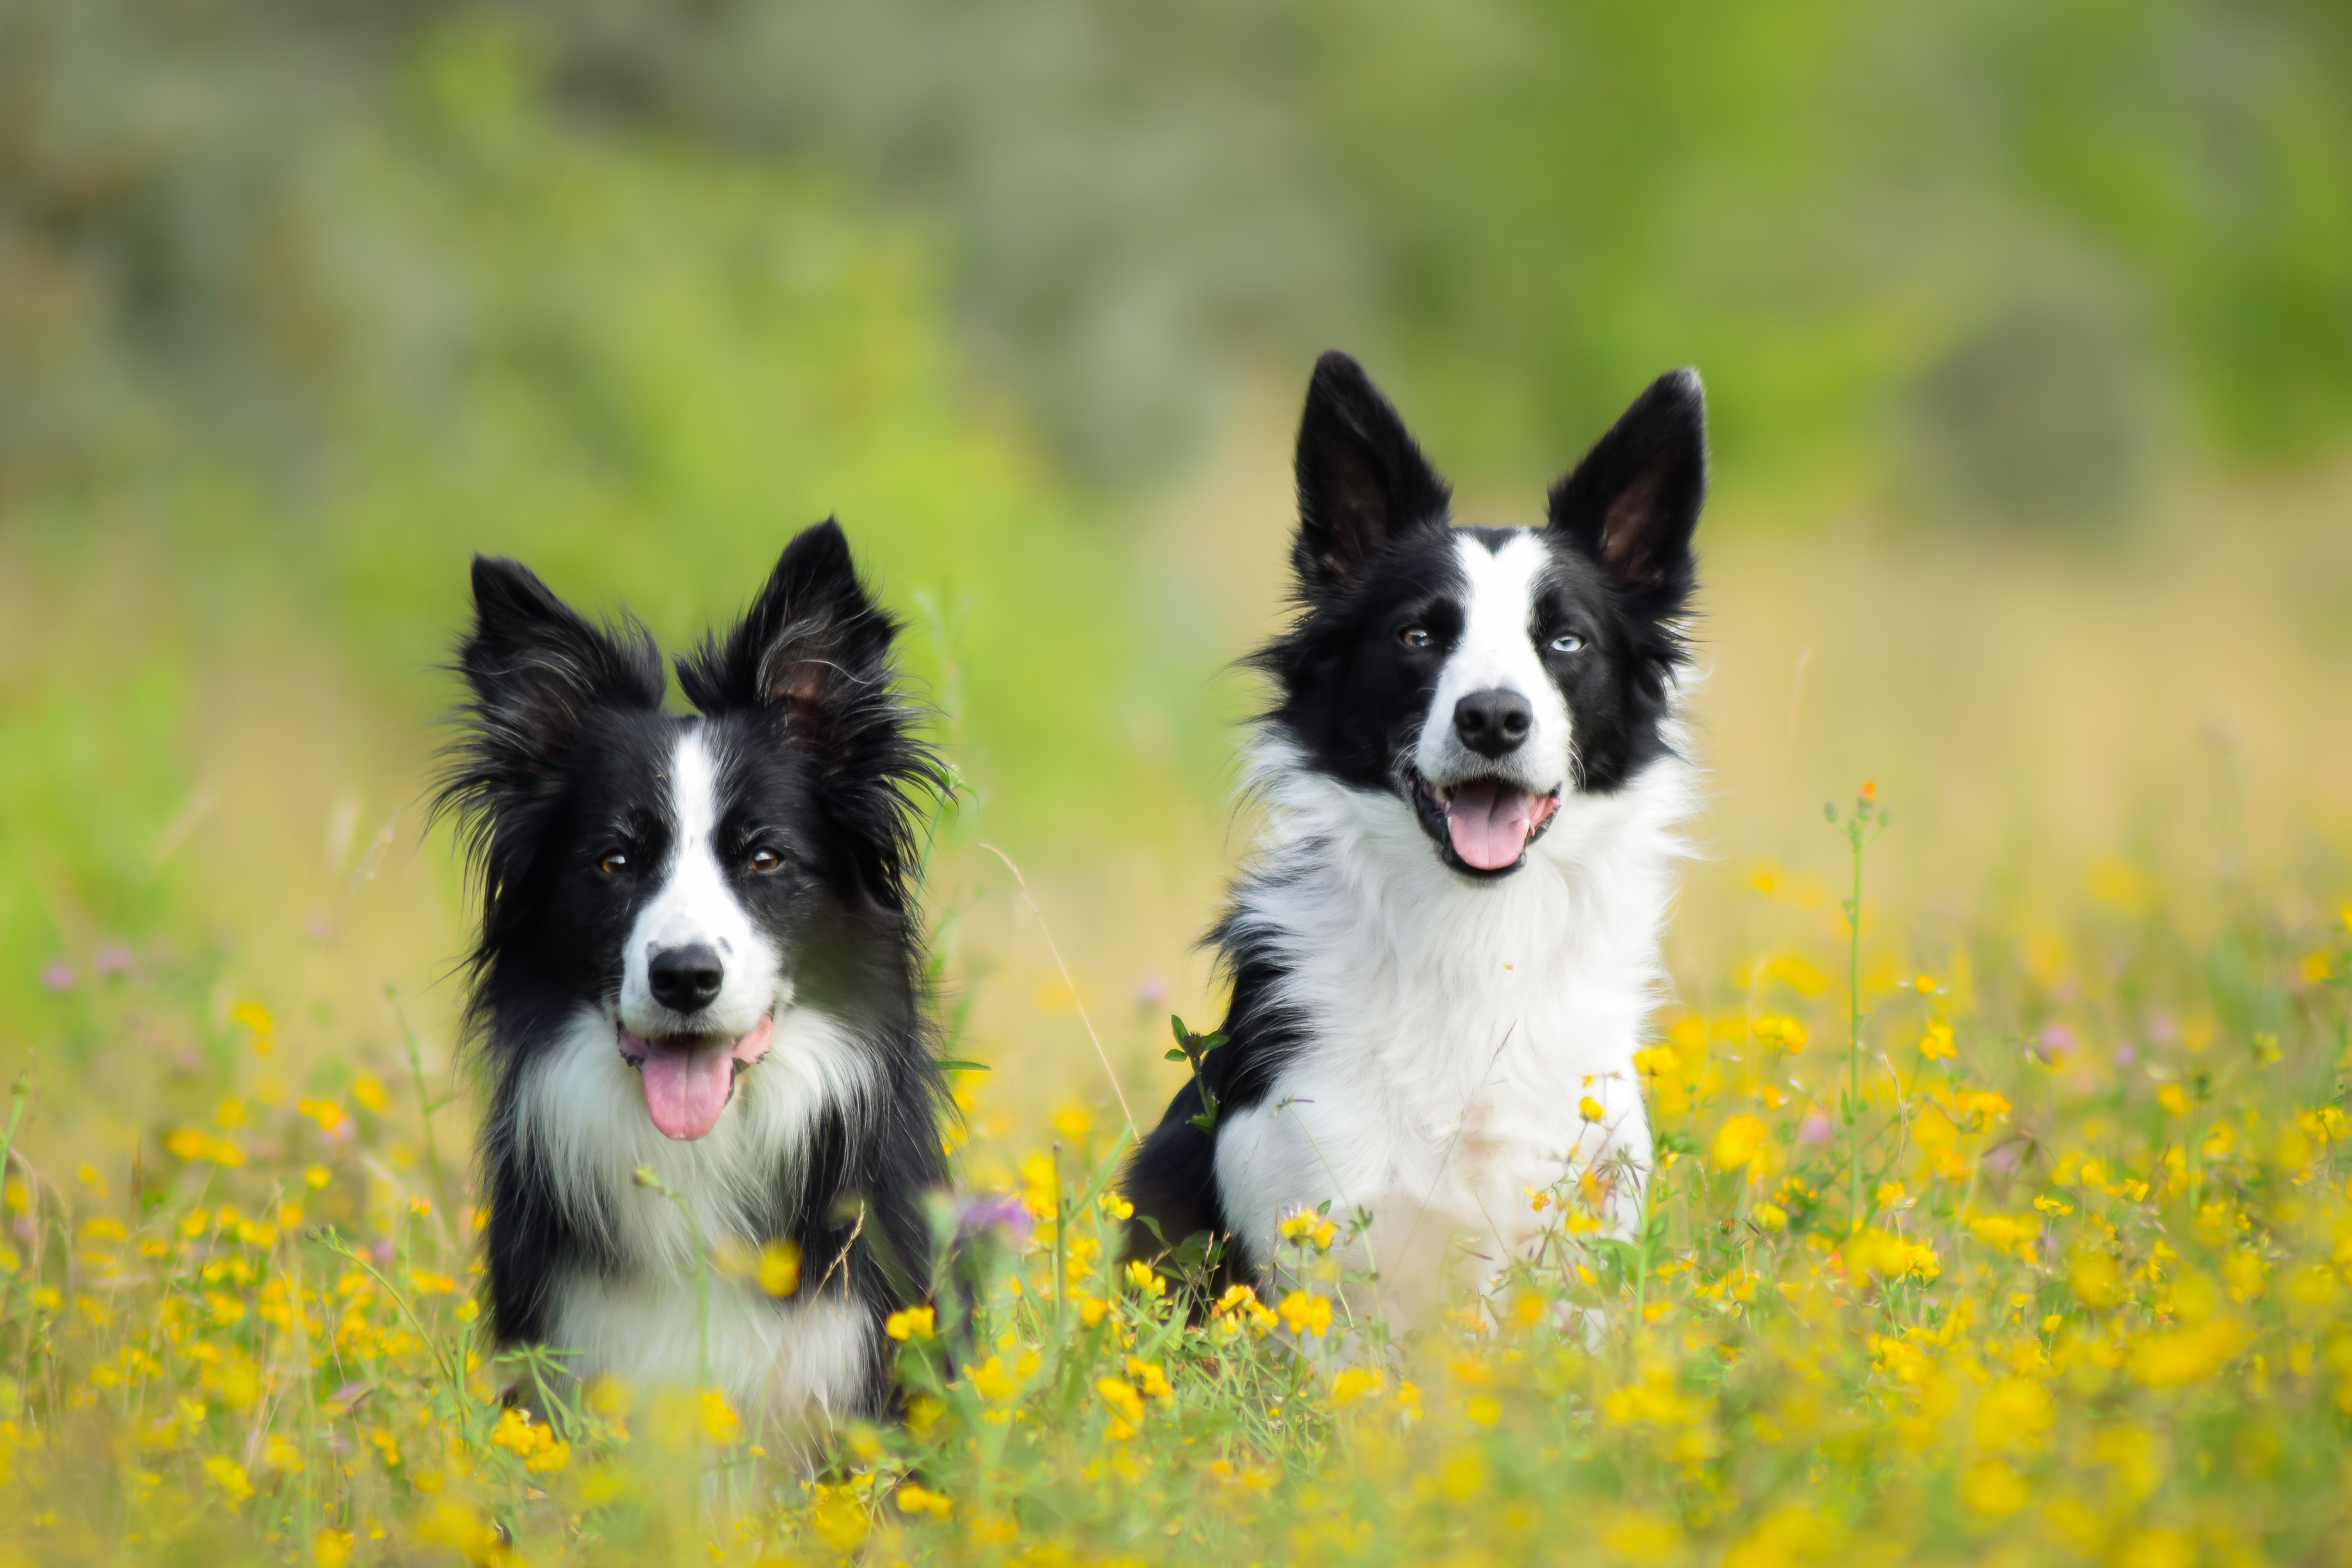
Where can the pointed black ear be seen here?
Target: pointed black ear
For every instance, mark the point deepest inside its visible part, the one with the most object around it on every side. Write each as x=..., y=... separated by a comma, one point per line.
x=536, y=668
x=812, y=643
x=1634, y=500
x=1362, y=480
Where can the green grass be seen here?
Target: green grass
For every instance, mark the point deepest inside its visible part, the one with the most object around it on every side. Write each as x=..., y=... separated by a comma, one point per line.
x=2093, y=1308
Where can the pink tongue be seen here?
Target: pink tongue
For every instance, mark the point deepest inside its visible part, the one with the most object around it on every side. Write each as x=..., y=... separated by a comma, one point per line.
x=685, y=1091
x=1489, y=824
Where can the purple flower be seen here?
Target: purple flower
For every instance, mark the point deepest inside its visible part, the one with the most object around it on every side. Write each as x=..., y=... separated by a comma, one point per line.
x=1151, y=991
x=1815, y=1128
x=114, y=958
x=996, y=1211
x=2127, y=1054
x=57, y=975
x=382, y=1253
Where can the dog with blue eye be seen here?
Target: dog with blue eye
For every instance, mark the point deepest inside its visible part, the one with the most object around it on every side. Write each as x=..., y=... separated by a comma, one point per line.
x=1446, y=946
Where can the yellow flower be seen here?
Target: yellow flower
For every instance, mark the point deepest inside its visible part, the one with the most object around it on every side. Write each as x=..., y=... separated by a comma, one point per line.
x=1238, y=1308
x=2094, y=1277
x=1307, y=1313
x=230, y=1477
x=1146, y=1280
x=911, y=1322
x=780, y=1267
x=280, y=1455
x=1772, y=1217
x=332, y=1548
x=1307, y=1225
x=1355, y=1382
x=1040, y=1189
x=1936, y=1045
x=1073, y=1122
x=1991, y=1487
x=1780, y=1030
x=913, y=1498
x=1891, y=1257
x=316, y=1178
x=1148, y=1377
x=1121, y=1396
x=2178, y=1356
x=720, y=1422
x=2011, y=1234
x=2174, y=1099
x=989, y=1381
x=195, y=1144
x=367, y=1090
x=1738, y=1142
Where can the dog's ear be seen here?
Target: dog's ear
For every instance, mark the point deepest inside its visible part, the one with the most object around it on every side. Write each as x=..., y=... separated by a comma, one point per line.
x=1362, y=480
x=536, y=668
x=1633, y=501
x=813, y=644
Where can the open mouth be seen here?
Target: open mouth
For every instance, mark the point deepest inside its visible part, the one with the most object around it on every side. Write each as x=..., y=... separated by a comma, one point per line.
x=689, y=1078
x=1483, y=826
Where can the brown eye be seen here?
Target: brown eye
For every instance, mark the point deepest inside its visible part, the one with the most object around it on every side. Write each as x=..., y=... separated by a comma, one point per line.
x=1414, y=637
x=614, y=863
x=765, y=860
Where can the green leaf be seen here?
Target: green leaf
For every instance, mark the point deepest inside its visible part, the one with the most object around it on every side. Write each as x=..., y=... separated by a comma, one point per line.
x=1183, y=1034
x=956, y=1064
x=1175, y=1054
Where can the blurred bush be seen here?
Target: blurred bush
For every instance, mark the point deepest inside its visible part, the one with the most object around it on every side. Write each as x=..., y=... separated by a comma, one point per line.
x=1847, y=213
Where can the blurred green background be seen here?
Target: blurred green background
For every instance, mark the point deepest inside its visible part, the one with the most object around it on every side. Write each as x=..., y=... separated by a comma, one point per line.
x=2027, y=326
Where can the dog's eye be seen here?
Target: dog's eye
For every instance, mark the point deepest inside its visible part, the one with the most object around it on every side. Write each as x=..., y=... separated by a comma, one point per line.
x=1567, y=642
x=1414, y=637
x=614, y=863
x=764, y=860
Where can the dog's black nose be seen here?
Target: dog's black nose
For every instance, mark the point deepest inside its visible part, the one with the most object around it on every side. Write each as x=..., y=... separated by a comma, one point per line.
x=686, y=979
x=1493, y=722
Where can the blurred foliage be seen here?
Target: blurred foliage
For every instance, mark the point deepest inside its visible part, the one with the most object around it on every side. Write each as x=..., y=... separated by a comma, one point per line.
x=2037, y=235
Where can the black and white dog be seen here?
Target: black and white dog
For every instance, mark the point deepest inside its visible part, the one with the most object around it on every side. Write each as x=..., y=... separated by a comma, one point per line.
x=1448, y=941
x=699, y=955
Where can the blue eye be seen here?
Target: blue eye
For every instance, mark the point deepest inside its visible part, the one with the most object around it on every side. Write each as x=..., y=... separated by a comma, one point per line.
x=1567, y=642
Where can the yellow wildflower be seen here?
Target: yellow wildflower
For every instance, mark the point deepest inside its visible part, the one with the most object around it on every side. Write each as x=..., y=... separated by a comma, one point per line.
x=780, y=1266
x=1307, y=1313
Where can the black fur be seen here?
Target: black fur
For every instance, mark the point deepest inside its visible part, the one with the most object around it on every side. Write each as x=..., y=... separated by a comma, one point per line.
x=1374, y=553
x=562, y=759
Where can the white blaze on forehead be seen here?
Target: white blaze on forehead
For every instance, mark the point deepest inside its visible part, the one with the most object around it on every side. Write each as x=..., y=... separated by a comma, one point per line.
x=695, y=905
x=1497, y=651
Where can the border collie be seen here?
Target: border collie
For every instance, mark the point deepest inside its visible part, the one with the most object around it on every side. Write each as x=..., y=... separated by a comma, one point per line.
x=699, y=955
x=1448, y=940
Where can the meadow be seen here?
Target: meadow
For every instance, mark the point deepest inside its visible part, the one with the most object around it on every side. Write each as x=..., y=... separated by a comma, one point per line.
x=2038, y=1255
x=2015, y=1226
x=2004, y=1206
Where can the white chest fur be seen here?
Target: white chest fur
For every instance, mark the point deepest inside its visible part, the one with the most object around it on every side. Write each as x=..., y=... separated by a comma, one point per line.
x=580, y=1116
x=1453, y=1028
